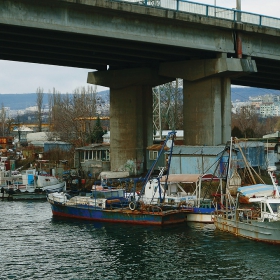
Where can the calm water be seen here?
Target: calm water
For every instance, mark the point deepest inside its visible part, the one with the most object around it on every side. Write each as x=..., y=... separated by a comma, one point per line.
x=36, y=246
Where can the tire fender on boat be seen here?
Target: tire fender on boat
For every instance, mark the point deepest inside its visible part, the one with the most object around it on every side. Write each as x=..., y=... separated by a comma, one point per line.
x=132, y=206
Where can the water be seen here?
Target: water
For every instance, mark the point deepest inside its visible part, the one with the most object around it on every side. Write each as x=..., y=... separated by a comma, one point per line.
x=34, y=245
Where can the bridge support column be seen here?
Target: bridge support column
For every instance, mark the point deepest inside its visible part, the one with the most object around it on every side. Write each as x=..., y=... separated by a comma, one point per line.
x=131, y=114
x=207, y=111
x=131, y=127
x=207, y=98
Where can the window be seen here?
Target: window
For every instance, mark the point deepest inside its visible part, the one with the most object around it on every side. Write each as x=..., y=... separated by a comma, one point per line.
x=90, y=154
x=153, y=155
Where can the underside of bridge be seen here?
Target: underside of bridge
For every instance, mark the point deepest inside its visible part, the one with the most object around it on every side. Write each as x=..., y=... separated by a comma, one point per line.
x=134, y=48
x=25, y=44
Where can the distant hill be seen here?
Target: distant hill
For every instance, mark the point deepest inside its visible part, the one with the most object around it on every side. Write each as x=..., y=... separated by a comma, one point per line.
x=243, y=93
x=21, y=101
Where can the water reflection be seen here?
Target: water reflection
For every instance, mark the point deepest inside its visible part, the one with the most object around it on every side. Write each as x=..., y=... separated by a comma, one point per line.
x=38, y=246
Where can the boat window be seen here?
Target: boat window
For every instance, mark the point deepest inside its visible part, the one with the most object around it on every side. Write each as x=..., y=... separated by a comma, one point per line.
x=108, y=194
x=121, y=193
x=98, y=194
x=274, y=207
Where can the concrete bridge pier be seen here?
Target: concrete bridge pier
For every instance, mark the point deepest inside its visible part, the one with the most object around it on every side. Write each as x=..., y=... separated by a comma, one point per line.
x=131, y=114
x=207, y=96
x=131, y=130
x=207, y=111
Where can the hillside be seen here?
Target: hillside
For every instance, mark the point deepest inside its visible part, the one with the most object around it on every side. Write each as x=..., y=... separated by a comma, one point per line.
x=243, y=93
x=23, y=100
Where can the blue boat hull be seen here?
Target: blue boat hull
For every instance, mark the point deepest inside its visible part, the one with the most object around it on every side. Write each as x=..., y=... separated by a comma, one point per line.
x=119, y=215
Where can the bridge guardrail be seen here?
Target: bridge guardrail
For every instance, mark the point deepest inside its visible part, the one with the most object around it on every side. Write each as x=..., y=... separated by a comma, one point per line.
x=210, y=11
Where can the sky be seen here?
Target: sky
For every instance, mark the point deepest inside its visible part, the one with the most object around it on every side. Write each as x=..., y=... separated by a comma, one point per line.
x=19, y=77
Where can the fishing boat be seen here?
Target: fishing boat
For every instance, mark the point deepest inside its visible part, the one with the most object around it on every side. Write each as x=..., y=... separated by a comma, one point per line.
x=31, y=185
x=254, y=213
x=169, y=190
x=114, y=205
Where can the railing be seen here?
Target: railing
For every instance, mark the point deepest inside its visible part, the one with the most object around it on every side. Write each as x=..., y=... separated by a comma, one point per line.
x=209, y=11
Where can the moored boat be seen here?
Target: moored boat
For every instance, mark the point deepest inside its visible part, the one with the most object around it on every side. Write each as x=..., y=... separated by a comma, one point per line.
x=115, y=205
x=112, y=206
x=254, y=213
x=30, y=186
x=170, y=192
x=259, y=220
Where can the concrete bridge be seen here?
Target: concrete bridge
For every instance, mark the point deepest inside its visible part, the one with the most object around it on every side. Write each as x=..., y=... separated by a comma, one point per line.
x=136, y=46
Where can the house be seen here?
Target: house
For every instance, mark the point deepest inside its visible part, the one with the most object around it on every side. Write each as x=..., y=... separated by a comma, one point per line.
x=20, y=133
x=57, y=145
x=93, y=159
x=153, y=153
x=195, y=159
x=213, y=159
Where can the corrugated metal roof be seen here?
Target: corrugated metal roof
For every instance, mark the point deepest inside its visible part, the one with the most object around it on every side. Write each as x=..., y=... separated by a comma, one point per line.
x=198, y=150
x=94, y=147
x=250, y=144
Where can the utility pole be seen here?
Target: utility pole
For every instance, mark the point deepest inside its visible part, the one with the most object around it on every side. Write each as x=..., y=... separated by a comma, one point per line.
x=238, y=5
x=238, y=8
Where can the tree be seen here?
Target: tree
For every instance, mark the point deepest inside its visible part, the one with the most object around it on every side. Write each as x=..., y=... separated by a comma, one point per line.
x=3, y=119
x=171, y=102
x=250, y=124
x=73, y=115
x=236, y=132
x=40, y=96
x=247, y=120
x=18, y=127
x=97, y=133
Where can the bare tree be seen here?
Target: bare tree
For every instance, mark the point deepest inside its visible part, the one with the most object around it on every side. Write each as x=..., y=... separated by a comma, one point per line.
x=171, y=95
x=18, y=127
x=40, y=96
x=251, y=125
x=3, y=119
x=73, y=115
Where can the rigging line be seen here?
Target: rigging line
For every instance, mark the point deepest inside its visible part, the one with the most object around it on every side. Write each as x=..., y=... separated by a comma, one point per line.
x=216, y=162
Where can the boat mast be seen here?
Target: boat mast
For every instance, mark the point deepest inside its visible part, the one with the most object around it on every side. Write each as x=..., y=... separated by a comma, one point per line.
x=270, y=170
x=228, y=195
x=147, y=177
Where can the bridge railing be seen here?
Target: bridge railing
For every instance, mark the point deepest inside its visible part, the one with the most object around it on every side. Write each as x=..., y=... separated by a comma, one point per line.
x=210, y=11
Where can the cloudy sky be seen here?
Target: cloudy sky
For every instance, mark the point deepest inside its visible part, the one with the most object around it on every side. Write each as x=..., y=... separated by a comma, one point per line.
x=18, y=77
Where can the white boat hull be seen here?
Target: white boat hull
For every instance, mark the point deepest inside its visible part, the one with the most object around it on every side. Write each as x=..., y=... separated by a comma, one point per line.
x=199, y=218
x=54, y=188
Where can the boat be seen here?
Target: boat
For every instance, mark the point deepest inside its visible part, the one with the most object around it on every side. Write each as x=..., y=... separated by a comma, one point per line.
x=111, y=206
x=31, y=185
x=114, y=205
x=254, y=213
x=169, y=191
